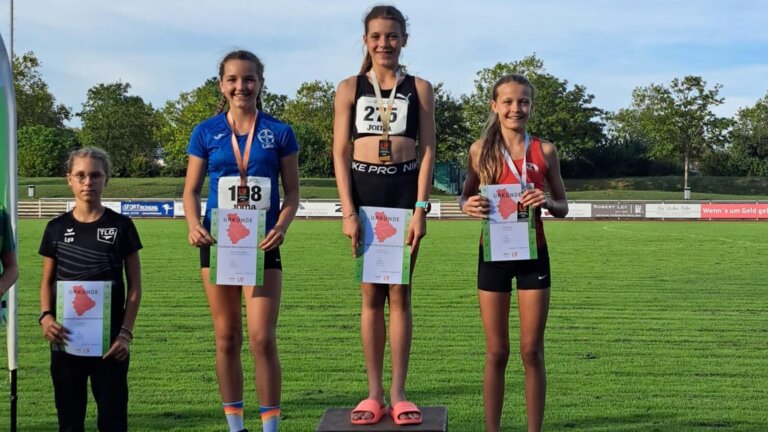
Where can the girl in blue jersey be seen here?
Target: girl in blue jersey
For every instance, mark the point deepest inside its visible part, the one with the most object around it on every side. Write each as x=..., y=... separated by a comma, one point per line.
x=244, y=148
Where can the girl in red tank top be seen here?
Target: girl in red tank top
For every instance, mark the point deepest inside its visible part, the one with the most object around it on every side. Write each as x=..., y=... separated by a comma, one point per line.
x=506, y=154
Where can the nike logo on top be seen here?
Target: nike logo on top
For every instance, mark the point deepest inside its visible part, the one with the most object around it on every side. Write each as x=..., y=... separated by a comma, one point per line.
x=543, y=277
x=218, y=136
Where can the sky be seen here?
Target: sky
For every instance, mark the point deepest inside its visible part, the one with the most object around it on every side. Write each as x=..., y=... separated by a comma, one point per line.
x=165, y=47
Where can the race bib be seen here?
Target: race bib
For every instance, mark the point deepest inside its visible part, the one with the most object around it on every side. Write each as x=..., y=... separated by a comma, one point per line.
x=258, y=191
x=368, y=119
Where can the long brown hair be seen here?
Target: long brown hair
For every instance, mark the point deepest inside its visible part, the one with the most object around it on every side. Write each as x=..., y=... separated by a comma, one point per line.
x=258, y=65
x=384, y=12
x=492, y=150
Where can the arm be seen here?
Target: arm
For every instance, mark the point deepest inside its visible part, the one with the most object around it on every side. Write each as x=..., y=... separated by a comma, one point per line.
x=10, y=270
x=289, y=173
x=52, y=330
x=121, y=347
x=418, y=227
x=557, y=203
x=193, y=184
x=471, y=202
x=342, y=158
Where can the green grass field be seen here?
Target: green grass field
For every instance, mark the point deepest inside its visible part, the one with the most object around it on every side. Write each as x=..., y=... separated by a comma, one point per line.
x=654, y=326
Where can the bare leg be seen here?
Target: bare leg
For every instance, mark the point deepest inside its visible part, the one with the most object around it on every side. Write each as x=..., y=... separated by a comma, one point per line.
x=263, y=305
x=400, y=337
x=373, y=332
x=494, y=308
x=534, y=308
x=224, y=302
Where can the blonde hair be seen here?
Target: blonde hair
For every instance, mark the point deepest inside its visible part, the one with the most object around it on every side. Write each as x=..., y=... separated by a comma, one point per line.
x=89, y=152
x=492, y=150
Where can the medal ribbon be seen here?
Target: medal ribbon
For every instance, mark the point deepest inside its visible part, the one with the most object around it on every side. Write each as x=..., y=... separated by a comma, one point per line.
x=386, y=114
x=242, y=160
x=520, y=177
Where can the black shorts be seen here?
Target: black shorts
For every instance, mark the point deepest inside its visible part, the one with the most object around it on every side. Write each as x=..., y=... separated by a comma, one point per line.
x=379, y=185
x=271, y=258
x=497, y=276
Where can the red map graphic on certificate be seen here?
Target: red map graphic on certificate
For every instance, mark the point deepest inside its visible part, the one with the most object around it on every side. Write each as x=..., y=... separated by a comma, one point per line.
x=507, y=206
x=82, y=302
x=383, y=228
x=236, y=230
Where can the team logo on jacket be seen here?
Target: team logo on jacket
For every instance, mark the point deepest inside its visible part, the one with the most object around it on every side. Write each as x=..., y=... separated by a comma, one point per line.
x=69, y=235
x=267, y=139
x=106, y=235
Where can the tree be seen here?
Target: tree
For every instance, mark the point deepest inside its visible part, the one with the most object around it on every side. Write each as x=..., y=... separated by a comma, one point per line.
x=43, y=150
x=676, y=121
x=274, y=103
x=179, y=117
x=122, y=125
x=35, y=105
x=451, y=130
x=561, y=115
x=749, y=138
x=311, y=115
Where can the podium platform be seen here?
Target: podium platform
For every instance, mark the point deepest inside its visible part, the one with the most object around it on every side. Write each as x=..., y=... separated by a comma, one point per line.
x=434, y=419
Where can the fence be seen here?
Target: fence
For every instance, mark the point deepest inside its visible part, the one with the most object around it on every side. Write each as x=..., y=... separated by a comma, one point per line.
x=310, y=209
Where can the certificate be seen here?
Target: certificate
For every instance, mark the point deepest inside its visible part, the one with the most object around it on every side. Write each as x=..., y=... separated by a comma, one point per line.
x=383, y=256
x=509, y=232
x=85, y=309
x=236, y=258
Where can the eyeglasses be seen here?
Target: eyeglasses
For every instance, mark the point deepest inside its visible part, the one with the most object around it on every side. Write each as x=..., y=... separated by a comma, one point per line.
x=95, y=177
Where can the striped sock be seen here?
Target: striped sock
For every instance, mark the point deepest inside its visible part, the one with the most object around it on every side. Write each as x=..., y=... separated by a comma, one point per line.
x=234, y=413
x=270, y=416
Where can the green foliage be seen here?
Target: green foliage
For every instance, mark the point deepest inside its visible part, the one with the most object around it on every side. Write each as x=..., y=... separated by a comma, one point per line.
x=178, y=118
x=676, y=121
x=122, y=125
x=749, y=139
x=43, y=150
x=452, y=132
x=274, y=103
x=35, y=105
x=311, y=115
x=561, y=115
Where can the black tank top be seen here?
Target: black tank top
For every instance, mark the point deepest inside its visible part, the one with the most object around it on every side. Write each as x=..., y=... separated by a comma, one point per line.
x=405, y=111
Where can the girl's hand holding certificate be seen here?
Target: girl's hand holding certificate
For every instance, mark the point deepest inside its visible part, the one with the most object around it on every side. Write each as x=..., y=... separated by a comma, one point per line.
x=476, y=206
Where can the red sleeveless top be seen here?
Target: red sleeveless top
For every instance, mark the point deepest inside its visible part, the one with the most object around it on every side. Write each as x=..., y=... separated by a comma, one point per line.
x=536, y=174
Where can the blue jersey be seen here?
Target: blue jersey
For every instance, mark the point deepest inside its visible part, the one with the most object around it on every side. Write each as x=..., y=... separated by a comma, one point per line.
x=272, y=140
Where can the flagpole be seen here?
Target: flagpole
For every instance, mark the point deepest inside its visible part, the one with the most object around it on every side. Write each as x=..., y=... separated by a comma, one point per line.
x=9, y=193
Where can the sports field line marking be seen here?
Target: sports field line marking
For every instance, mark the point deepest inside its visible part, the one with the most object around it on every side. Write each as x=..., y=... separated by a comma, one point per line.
x=741, y=242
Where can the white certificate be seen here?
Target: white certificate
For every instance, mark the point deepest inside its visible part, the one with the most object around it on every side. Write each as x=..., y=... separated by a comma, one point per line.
x=84, y=308
x=509, y=232
x=384, y=257
x=236, y=258
x=259, y=192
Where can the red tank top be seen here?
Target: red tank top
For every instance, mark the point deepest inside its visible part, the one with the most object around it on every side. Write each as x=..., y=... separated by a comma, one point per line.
x=536, y=174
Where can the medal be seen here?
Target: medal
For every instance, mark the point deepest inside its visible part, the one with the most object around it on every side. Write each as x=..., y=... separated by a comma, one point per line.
x=385, y=144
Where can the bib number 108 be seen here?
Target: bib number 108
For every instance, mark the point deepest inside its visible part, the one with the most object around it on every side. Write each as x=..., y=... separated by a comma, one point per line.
x=255, y=192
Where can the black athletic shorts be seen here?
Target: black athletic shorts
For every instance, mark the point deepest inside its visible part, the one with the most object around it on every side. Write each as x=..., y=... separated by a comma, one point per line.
x=271, y=258
x=530, y=274
x=379, y=185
